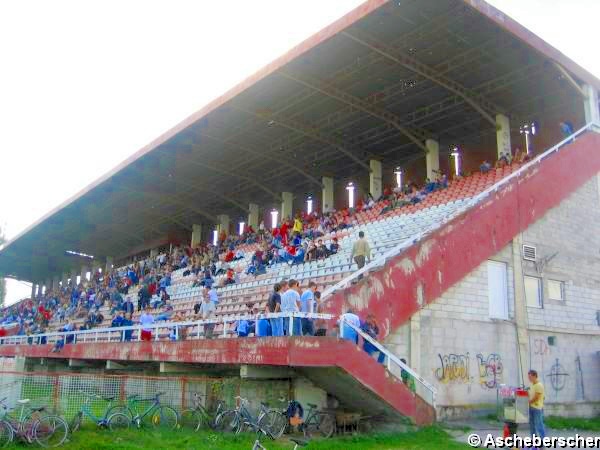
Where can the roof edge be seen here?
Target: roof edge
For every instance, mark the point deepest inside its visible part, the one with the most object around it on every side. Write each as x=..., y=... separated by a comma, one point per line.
x=312, y=41
x=534, y=41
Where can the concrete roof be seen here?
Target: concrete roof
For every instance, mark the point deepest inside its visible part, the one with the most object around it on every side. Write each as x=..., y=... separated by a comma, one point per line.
x=374, y=84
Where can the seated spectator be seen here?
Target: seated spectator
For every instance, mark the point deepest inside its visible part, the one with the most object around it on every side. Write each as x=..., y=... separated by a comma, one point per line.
x=67, y=339
x=127, y=322
x=370, y=327
x=334, y=246
x=322, y=251
x=117, y=320
x=165, y=313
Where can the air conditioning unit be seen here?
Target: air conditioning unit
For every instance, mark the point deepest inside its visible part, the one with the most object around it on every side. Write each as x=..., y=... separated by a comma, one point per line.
x=529, y=253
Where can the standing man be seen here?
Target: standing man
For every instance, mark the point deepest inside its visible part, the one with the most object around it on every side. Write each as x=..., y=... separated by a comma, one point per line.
x=146, y=321
x=274, y=306
x=307, y=305
x=361, y=252
x=207, y=309
x=290, y=301
x=212, y=295
x=536, y=405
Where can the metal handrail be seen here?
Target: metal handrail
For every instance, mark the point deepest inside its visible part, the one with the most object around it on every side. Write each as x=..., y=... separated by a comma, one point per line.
x=395, y=251
x=97, y=332
x=390, y=357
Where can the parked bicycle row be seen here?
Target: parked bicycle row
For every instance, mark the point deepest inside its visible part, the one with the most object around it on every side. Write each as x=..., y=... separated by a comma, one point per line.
x=40, y=425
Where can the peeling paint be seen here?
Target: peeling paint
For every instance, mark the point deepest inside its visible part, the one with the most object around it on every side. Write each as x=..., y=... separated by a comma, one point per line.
x=424, y=251
x=420, y=295
x=406, y=265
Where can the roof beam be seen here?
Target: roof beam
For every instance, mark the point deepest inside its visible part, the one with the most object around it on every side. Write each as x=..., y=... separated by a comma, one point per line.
x=309, y=131
x=416, y=136
x=481, y=105
x=570, y=79
x=264, y=155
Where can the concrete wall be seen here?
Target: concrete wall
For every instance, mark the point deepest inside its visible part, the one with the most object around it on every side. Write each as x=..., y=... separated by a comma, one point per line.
x=467, y=355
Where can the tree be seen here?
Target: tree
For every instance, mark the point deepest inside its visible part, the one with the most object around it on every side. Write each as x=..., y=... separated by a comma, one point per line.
x=2, y=280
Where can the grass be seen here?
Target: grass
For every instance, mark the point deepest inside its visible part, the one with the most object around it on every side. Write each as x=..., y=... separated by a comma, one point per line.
x=572, y=423
x=89, y=438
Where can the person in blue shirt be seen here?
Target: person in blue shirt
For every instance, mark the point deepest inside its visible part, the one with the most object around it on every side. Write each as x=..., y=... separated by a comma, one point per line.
x=307, y=305
x=370, y=327
x=127, y=322
x=128, y=306
x=117, y=320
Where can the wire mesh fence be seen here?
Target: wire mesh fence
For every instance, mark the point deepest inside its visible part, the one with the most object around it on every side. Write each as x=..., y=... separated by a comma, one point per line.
x=69, y=393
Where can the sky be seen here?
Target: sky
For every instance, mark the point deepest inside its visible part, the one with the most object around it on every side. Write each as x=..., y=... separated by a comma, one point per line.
x=83, y=85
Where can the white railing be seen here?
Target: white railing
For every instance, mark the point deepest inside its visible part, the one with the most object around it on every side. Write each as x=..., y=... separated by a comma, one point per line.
x=173, y=330
x=394, y=365
x=399, y=249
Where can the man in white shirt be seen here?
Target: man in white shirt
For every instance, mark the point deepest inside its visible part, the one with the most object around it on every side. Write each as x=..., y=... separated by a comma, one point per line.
x=146, y=321
x=290, y=302
x=207, y=309
x=212, y=295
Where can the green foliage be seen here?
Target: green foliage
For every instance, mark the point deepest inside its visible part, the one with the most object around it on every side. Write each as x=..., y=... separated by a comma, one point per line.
x=93, y=438
x=572, y=423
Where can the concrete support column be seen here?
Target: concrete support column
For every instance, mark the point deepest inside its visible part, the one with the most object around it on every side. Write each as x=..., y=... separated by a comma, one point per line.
x=503, y=134
x=109, y=263
x=65, y=280
x=414, y=360
x=48, y=284
x=83, y=273
x=33, y=289
x=223, y=224
x=592, y=114
x=375, y=179
x=154, y=252
x=521, y=318
x=327, y=199
x=287, y=205
x=433, y=158
x=196, y=235
x=253, y=215
x=55, y=284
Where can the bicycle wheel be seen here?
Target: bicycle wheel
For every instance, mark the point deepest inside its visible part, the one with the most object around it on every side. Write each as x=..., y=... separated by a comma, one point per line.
x=121, y=409
x=118, y=421
x=50, y=431
x=76, y=422
x=227, y=422
x=274, y=422
x=165, y=417
x=190, y=419
x=321, y=424
x=6, y=434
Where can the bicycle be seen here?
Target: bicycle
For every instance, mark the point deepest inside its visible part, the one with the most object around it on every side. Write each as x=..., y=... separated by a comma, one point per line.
x=258, y=446
x=158, y=415
x=235, y=420
x=47, y=430
x=102, y=421
x=198, y=416
x=318, y=422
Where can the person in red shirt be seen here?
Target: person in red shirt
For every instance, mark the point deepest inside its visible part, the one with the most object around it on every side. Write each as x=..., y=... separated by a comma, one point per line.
x=284, y=232
x=229, y=256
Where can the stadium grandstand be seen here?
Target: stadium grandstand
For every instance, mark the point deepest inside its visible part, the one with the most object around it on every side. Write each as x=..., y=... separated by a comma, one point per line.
x=396, y=218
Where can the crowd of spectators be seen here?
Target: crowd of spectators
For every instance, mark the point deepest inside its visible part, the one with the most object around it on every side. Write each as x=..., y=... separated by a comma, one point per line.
x=304, y=238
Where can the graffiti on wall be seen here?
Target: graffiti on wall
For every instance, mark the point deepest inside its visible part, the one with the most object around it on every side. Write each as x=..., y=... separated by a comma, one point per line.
x=540, y=347
x=557, y=376
x=454, y=368
x=490, y=370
